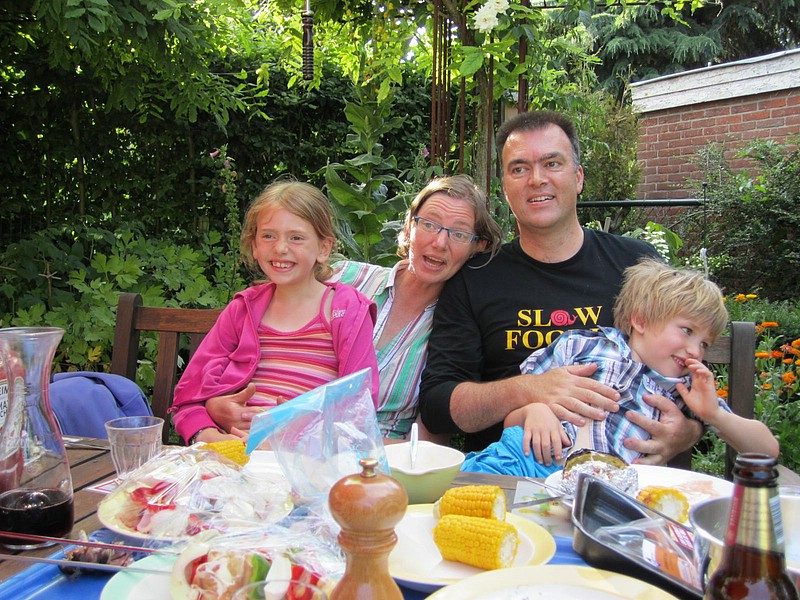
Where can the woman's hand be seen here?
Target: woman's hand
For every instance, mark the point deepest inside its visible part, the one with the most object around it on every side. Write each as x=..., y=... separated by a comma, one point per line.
x=231, y=411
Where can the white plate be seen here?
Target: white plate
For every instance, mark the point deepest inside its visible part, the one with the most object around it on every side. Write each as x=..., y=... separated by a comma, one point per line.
x=135, y=586
x=550, y=582
x=417, y=563
x=263, y=467
x=697, y=487
x=263, y=462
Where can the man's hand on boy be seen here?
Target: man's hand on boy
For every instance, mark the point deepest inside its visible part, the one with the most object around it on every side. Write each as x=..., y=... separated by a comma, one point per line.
x=671, y=434
x=573, y=395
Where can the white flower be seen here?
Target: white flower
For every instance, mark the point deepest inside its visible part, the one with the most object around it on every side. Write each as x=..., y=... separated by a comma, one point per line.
x=486, y=18
x=658, y=239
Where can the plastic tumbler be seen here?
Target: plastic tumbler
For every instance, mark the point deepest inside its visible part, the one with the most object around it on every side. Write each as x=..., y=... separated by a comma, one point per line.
x=133, y=441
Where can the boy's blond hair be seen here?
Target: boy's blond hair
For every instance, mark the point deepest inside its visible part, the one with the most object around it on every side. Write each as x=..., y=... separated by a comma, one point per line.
x=299, y=198
x=658, y=293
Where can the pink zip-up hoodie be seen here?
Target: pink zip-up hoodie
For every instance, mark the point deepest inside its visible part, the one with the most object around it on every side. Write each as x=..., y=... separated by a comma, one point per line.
x=227, y=358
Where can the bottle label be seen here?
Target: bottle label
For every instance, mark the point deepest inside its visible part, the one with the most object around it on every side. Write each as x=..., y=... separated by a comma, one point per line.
x=755, y=518
x=3, y=399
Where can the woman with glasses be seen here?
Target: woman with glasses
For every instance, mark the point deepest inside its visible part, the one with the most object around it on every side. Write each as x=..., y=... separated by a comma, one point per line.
x=446, y=224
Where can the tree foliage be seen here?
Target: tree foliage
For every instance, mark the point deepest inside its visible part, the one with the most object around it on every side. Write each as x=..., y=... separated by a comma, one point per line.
x=641, y=42
x=753, y=221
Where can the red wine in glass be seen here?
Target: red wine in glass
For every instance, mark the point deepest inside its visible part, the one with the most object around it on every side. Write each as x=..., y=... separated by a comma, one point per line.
x=45, y=511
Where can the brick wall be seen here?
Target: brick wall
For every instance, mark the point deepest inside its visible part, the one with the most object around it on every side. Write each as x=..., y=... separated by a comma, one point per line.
x=670, y=139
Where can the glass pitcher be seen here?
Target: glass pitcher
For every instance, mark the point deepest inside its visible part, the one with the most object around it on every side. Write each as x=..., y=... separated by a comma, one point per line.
x=35, y=482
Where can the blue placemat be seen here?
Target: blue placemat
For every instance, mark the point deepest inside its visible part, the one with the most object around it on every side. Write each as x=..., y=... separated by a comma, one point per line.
x=47, y=582
x=44, y=582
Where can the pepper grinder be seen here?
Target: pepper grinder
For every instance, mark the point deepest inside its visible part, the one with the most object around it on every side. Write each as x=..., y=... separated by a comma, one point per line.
x=367, y=506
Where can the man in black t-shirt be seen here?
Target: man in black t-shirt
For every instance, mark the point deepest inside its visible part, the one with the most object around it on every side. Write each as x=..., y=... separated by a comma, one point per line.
x=555, y=276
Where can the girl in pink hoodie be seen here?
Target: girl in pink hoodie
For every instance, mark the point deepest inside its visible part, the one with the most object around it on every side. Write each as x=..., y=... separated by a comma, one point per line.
x=288, y=335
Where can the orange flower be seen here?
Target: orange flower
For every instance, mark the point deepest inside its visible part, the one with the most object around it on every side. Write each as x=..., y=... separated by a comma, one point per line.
x=751, y=296
x=763, y=354
x=769, y=324
x=789, y=378
x=723, y=393
x=796, y=343
x=739, y=298
x=766, y=386
x=787, y=349
x=777, y=354
x=764, y=375
x=787, y=361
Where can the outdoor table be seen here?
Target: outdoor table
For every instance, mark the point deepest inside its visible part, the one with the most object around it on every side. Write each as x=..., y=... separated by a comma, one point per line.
x=90, y=464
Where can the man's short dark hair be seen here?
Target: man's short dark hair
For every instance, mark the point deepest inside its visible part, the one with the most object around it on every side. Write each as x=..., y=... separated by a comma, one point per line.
x=539, y=119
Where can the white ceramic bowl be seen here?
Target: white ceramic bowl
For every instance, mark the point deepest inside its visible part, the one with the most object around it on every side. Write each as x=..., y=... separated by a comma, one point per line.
x=710, y=520
x=433, y=472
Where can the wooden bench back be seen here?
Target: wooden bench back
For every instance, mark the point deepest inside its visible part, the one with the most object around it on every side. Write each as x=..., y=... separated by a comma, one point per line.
x=171, y=324
x=737, y=351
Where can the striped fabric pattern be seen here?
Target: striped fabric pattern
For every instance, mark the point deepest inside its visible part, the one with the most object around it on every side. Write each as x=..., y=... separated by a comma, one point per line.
x=402, y=359
x=294, y=362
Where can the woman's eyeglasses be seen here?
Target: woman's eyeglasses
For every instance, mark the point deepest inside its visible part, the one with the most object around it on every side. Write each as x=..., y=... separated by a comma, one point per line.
x=433, y=228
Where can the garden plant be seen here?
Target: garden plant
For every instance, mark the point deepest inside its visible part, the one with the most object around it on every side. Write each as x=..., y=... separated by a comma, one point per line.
x=137, y=177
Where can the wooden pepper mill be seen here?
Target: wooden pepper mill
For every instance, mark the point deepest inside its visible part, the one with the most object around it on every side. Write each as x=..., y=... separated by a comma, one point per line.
x=367, y=506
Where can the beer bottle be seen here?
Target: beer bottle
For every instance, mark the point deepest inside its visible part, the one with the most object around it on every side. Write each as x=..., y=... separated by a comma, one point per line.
x=753, y=564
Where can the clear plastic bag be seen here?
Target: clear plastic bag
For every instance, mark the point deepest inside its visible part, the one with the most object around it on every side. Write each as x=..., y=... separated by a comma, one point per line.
x=660, y=542
x=319, y=437
x=301, y=548
x=182, y=492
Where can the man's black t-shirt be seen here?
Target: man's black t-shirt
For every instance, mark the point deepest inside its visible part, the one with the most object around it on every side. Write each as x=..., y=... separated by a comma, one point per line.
x=490, y=317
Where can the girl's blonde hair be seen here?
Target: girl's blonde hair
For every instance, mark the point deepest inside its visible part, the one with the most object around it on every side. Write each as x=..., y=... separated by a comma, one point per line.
x=658, y=293
x=301, y=199
x=463, y=188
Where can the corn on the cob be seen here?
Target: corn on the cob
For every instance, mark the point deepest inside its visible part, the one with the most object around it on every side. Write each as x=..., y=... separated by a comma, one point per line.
x=483, y=543
x=667, y=501
x=230, y=449
x=487, y=501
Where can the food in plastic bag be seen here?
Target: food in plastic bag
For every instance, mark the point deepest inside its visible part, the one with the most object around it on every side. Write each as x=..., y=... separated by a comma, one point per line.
x=185, y=491
x=657, y=541
x=319, y=437
x=213, y=570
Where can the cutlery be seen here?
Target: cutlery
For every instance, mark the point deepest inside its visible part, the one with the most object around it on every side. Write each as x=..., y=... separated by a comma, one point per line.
x=549, y=499
x=76, y=564
x=414, y=443
x=557, y=490
x=558, y=493
x=84, y=443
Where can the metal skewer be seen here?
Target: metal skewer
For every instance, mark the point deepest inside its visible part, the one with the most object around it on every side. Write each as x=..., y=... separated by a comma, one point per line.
x=76, y=564
x=55, y=540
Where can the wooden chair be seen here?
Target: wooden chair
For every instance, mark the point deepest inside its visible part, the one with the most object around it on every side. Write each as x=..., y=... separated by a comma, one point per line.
x=737, y=351
x=174, y=326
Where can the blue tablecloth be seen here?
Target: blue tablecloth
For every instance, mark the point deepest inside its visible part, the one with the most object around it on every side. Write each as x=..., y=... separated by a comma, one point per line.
x=46, y=582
